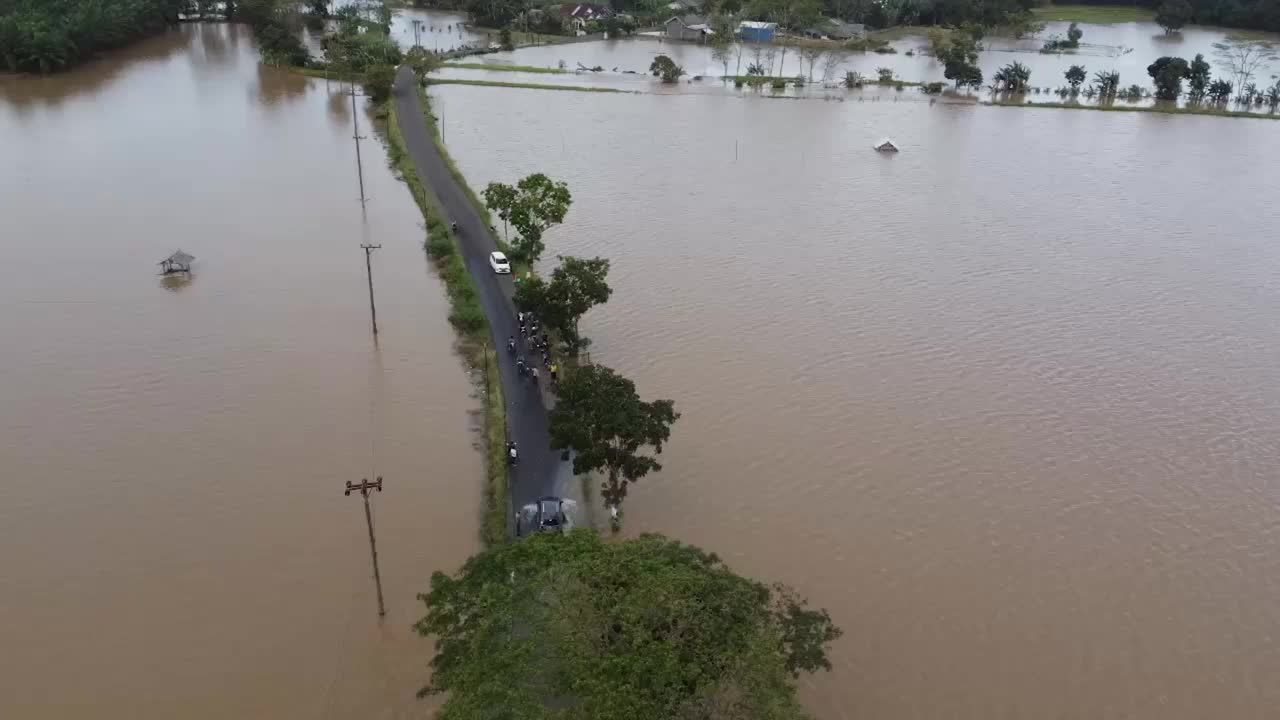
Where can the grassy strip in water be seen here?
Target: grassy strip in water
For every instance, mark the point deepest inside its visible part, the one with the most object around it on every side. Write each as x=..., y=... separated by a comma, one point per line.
x=468, y=318
x=505, y=68
x=322, y=73
x=530, y=86
x=1212, y=112
x=1096, y=14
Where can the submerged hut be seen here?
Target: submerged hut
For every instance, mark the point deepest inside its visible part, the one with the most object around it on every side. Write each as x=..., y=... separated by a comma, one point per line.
x=886, y=145
x=179, y=262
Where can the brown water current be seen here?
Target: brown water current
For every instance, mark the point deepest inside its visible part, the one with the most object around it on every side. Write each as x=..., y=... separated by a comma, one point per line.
x=1007, y=402
x=176, y=541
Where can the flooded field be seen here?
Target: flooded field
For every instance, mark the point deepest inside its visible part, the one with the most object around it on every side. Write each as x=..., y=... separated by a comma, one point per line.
x=177, y=541
x=1005, y=402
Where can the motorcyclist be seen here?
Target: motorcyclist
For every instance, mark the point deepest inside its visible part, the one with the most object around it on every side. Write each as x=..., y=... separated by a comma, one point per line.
x=511, y=343
x=512, y=454
x=454, y=225
x=520, y=365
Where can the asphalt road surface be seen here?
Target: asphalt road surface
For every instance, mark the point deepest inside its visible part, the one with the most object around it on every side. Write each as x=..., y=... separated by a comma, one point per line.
x=540, y=471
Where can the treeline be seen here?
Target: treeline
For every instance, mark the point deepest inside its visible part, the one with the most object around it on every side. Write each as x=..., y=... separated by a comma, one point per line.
x=1245, y=14
x=49, y=35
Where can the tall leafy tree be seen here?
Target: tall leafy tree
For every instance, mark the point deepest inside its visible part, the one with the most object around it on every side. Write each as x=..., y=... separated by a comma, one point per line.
x=1168, y=73
x=576, y=286
x=1075, y=76
x=1198, y=76
x=501, y=199
x=599, y=416
x=666, y=68
x=1173, y=14
x=540, y=204
x=960, y=61
x=570, y=626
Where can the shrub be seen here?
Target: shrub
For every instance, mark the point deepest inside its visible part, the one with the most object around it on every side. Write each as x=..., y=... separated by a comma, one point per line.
x=778, y=84
x=439, y=246
x=467, y=317
x=933, y=88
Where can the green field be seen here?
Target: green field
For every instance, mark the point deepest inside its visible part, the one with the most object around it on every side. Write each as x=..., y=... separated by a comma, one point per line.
x=1096, y=14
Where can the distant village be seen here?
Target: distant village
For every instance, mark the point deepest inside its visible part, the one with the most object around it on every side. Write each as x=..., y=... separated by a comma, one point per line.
x=684, y=23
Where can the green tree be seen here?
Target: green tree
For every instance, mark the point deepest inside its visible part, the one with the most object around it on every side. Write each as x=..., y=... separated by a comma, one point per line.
x=632, y=629
x=1198, y=76
x=422, y=60
x=1168, y=73
x=576, y=286
x=600, y=417
x=1075, y=76
x=1219, y=91
x=501, y=199
x=378, y=80
x=540, y=203
x=1173, y=14
x=959, y=61
x=666, y=68
x=504, y=39
x=1074, y=33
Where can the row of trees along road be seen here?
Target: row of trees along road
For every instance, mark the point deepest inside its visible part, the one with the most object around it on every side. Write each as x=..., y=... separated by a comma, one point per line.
x=598, y=413
x=572, y=626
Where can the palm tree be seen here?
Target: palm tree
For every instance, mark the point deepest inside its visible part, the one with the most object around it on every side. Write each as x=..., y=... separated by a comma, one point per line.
x=1012, y=77
x=1107, y=82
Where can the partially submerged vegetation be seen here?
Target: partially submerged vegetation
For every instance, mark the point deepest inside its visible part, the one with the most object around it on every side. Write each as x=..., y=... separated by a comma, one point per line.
x=505, y=68
x=528, y=86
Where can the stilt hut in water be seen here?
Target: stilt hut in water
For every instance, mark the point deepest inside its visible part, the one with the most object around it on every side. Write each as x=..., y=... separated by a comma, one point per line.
x=886, y=145
x=179, y=262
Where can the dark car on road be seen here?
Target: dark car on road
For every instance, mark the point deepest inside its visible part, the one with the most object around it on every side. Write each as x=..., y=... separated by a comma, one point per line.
x=548, y=514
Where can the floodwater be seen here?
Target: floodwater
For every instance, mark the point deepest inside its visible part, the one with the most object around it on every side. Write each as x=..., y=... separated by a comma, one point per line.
x=1007, y=402
x=1127, y=48
x=176, y=540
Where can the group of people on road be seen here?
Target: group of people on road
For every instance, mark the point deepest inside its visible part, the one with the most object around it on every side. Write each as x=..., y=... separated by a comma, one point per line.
x=535, y=343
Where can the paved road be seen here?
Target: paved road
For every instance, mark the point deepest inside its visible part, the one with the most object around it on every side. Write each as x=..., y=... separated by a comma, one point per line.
x=540, y=472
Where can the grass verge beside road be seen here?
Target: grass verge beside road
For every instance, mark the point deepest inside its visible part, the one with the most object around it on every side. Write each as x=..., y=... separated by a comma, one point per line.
x=469, y=320
x=1095, y=14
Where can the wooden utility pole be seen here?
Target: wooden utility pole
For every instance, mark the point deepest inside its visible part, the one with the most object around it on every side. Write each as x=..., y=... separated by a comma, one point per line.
x=368, y=266
x=355, y=124
x=364, y=487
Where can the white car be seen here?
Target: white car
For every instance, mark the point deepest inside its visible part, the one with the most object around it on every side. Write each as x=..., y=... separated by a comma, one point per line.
x=499, y=263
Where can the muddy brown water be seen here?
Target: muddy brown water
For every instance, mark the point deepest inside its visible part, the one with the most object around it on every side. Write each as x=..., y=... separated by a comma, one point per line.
x=1007, y=402
x=176, y=541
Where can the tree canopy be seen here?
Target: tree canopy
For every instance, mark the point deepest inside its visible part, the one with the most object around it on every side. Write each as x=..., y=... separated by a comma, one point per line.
x=540, y=203
x=666, y=68
x=1168, y=72
x=571, y=626
x=1173, y=14
x=576, y=286
x=50, y=35
x=599, y=416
